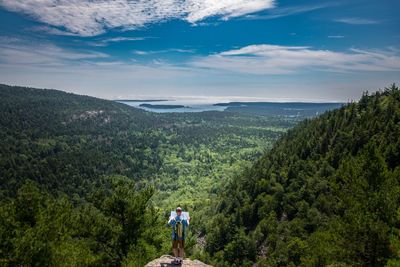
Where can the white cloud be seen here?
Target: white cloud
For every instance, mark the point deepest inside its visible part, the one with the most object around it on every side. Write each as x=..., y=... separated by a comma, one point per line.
x=14, y=51
x=275, y=59
x=93, y=17
x=107, y=41
x=140, y=52
x=336, y=36
x=53, y=31
x=25, y=62
x=198, y=10
x=123, y=39
x=170, y=50
x=357, y=21
x=261, y=59
x=288, y=11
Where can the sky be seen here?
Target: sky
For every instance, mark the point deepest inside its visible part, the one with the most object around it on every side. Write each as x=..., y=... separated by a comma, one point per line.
x=273, y=50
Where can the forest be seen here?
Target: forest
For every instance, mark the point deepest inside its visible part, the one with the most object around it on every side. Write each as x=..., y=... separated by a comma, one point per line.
x=90, y=182
x=326, y=194
x=74, y=153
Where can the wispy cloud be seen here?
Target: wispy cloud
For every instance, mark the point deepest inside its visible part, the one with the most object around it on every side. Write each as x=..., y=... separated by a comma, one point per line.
x=279, y=12
x=357, y=21
x=253, y=67
x=52, y=31
x=108, y=41
x=140, y=52
x=274, y=59
x=123, y=39
x=96, y=42
x=14, y=51
x=264, y=59
x=336, y=36
x=171, y=50
x=89, y=18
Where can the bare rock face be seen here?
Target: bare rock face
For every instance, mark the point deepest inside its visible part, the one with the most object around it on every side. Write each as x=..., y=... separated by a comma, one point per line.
x=166, y=261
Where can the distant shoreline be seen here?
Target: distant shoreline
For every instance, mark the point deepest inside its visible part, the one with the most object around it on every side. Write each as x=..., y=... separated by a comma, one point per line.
x=288, y=109
x=140, y=100
x=162, y=106
x=241, y=104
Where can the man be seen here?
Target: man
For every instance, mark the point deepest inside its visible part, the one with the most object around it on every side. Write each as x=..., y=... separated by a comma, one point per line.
x=179, y=224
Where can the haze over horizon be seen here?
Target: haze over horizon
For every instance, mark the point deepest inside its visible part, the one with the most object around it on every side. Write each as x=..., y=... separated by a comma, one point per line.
x=229, y=50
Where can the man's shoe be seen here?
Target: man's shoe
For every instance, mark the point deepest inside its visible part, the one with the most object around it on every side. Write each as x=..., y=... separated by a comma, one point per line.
x=176, y=261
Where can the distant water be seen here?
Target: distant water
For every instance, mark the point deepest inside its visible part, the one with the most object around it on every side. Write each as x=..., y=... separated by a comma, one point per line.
x=286, y=109
x=189, y=106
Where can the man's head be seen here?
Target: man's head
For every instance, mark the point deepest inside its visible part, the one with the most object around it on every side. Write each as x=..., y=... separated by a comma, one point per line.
x=178, y=210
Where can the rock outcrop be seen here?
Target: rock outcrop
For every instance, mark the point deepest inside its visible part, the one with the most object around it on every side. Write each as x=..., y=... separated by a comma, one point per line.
x=166, y=261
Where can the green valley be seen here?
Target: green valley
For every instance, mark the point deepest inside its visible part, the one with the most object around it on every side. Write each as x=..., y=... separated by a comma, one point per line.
x=91, y=182
x=69, y=148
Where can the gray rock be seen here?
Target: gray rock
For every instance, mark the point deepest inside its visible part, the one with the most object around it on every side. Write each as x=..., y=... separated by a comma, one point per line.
x=166, y=261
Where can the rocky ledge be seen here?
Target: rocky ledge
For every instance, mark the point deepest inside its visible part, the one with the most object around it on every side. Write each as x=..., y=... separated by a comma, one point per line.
x=166, y=261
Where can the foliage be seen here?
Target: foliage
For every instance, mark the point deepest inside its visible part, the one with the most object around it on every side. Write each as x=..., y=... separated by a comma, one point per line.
x=38, y=229
x=327, y=193
x=90, y=182
x=89, y=164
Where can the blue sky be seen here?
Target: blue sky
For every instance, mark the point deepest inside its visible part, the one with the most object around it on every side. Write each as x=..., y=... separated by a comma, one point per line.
x=224, y=49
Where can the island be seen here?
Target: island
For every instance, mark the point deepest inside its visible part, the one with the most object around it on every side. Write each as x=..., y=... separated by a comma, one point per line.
x=286, y=109
x=140, y=100
x=162, y=106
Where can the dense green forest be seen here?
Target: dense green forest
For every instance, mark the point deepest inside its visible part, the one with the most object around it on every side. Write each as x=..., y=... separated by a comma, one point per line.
x=71, y=157
x=90, y=182
x=326, y=194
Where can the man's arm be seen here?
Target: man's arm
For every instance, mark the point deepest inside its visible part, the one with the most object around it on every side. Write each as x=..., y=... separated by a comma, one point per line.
x=172, y=222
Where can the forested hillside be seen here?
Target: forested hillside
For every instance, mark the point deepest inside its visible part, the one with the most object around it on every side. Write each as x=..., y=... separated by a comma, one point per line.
x=80, y=175
x=327, y=194
x=64, y=140
x=66, y=199
x=90, y=182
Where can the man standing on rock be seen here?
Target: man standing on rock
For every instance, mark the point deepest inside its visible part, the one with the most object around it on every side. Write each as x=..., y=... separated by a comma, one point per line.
x=179, y=224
